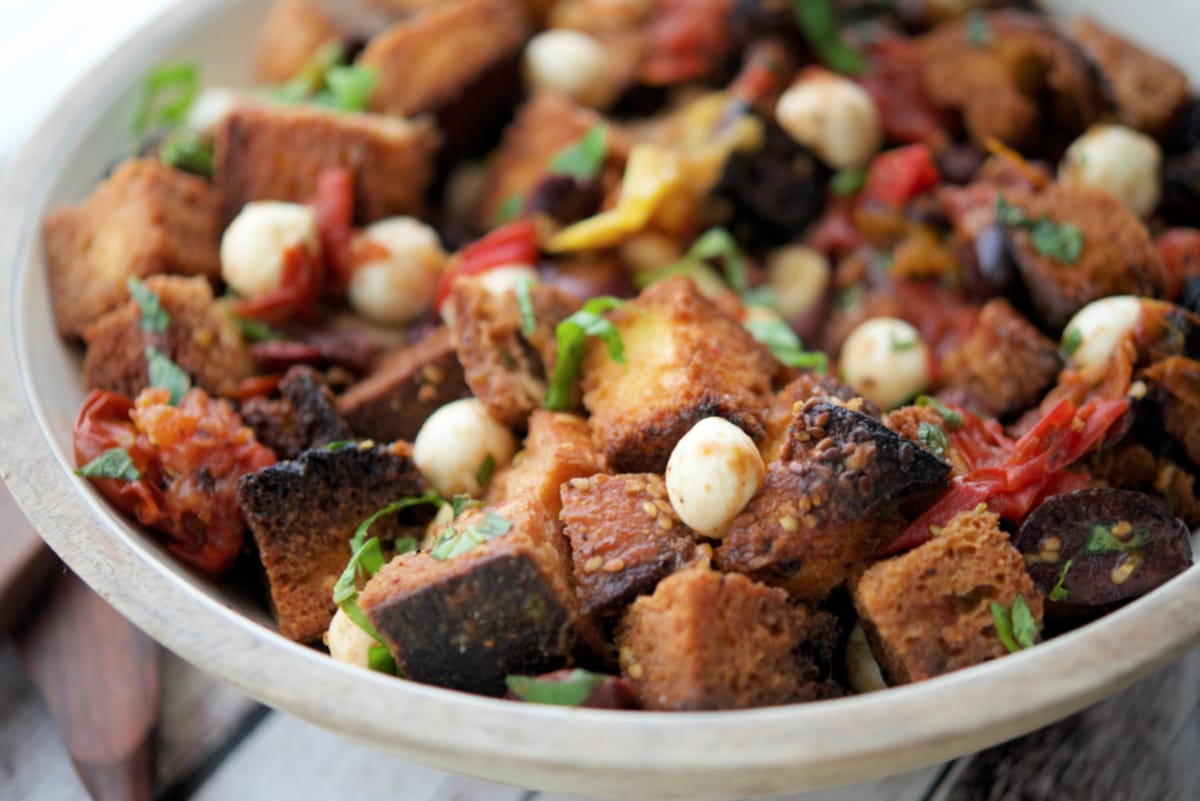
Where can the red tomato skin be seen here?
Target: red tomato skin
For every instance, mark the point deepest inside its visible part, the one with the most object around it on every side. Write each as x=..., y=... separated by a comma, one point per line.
x=514, y=243
x=1180, y=252
x=897, y=176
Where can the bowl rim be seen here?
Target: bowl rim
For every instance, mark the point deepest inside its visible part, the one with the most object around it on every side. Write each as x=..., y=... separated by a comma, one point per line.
x=619, y=754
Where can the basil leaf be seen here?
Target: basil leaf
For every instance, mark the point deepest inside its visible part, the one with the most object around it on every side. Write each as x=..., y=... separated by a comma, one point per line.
x=572, y=334
x=460, y=503
x=154, y=317
x=379, y=659
x=573, y=690
x=311, y=78
x=525, y=304
x=1103, y=541
x=189, y=151
x=167, y=374
x=509, y=209
x=113, y=463
x=1023, y=625
x=355, y=613
x=1072, y=341
x=900, y=345
x=1058, y=592
x=979, y=34
x=1003, y=621
x=347, y=89
x=360, y=534
x=584, y=159
x=485, y=470
x=951, y=418
x=848, y=182
x=453, y=543
x=337, y=445
x=166, y=96
x=818, y=22
x=1062, y=242
x=255, y=331
x=718, y=243
x=1008, y=214
x=933, y=438
x=781, y=340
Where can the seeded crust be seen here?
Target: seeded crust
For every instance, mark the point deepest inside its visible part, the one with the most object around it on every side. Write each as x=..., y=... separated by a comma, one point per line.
x=625, y=537
x=302, y=514
x=557, y=449
x=270, y=152
x=1131, y=465
x=410, y=384
x=291, y=35
x=504, y=607
x=1118, y=256
x=202, y=338
x=303, y=417
x=706, y=641
x=685, y=359
x=1005, y=363
x=927, y=612
x=146, y=219
x=782, y=411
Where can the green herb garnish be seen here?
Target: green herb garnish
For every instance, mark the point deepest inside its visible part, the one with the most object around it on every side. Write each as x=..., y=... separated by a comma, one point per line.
x=573, y=690
x=1016, y=628
x=165, y=373
x=189, y=151
x=717, y=243
x=524, y=291
x=819, y=24
x=166, y=96
x=1102, y=540
x=453, y=542
x=979, y=34
x=951, y=418
x=848, y=182
x=1062, y=242
x=583, y=159
x=154, y=317
x=337, y=445
x=784, y=345
x=933, y=438
x=460, y=503
x=1058, y=592
x=1072, y=341
x=347, y=88
x=113, y=463
x=572, y=334
x=255, y=331
x=379, y=659
x=485, y=470
x=897, y=345
x=508, y=210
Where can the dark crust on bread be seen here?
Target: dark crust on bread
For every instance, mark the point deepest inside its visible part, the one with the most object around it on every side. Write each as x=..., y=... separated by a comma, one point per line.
x=303, y=417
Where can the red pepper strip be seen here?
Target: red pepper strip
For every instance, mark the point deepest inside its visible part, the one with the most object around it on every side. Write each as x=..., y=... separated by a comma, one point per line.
x=298, y=292
x=894, y=82
x=760, y=76
x=103, y=423
x=685, y=39
x=897, y=176
x=334, y=204
x=258, y=386
x=514, y=243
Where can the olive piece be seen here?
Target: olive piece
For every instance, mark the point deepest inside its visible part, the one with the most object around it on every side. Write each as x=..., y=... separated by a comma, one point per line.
x=1180, y=203
x=565, y=198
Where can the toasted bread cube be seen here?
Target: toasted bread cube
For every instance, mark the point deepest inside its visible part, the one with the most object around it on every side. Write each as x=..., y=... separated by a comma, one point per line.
x=203, y=338
x=625, y=537
x=267, y=152
x=304, y=512
x=506, y=606
x=409, y=384
x=147, y=218
x=928, y=611
x=705, y=641
x=800, y=389
x=305, y=416
x=907, y=421
x=557, y=449
x=291, y=35
x=426, y=61
x=815, y=520
x=685, y=359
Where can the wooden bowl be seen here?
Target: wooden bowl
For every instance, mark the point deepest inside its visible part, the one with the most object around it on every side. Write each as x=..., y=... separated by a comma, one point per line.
x=617, y=754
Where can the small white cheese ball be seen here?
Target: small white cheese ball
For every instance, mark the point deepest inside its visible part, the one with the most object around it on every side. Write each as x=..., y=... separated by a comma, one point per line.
x=862, y=669
x=800, y=277
x=1117, y=160
x=712, y=474
x=347, y=642
x=397, y=287
x=570, y=63
x=832, y=116
x=254, y=244
x=1096, y=330
x=456, y=442
x=499, y=282
x=886, y=360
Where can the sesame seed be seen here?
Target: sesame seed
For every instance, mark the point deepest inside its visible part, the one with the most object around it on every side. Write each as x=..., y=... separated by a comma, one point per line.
x=614, y=566
x=581, y=483
x=427, y=393
x=1128, y=564
x=650, y=509
x=636, y=671
x=593, y=564
x=809, y=521
x=789, y=523
x=635, y=486
x=664, y=523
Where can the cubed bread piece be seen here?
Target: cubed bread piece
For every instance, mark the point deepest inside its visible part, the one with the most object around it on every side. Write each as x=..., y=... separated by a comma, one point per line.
x=816, y=519
x=428, y=60
x=1118, y=255
x=1005, y=363
x=147, y=218
x=1131, y=465
x=800, y=389
x=625, y=538
x=303, y=417
x=409, y=384
x=303, y=513
x=557, y=449
x=272, y=152
x=291, y=35
x=907, y=421
x=707, y=641
x=504, y=368
x=203, y=338
x=1150, y=91
x=685, y=359
x=505, y=606
x=928, y=611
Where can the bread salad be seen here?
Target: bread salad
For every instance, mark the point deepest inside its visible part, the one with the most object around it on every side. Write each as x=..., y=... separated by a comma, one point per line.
x=657, y=354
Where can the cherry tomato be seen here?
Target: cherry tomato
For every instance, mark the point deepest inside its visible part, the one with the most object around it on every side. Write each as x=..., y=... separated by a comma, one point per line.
x=514, y=243
x=103, y=423
x=897, y=176
x=686, y=39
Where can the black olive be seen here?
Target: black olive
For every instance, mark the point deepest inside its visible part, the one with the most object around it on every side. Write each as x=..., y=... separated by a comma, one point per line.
x=1181, y=189
x=1189, y=299
x=565, y=198
x=750, y=19
x=959, y=163
x=989, y=272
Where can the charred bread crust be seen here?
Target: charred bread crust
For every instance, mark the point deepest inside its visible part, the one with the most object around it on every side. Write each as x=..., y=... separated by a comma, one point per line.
x=303, y=512
x=1131, y=465
x=782, y=411
x=146, y=219
x=409, y=385
x=685, y=359
x=625, y=538
x=707, y=641
x=504, y=607
x=291, y=35
x=906, y=421
x=202, y=338
x=557, y=449
x=928, y=612
x=303, y=417
x=272, y=152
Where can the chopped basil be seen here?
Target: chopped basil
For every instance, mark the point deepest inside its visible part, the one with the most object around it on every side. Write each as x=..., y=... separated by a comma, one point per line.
x=189, y=151
x=167, y=374
x=933, y=438
x=311, y=78
x=166, y=96
x=951, y=418
x=1016, y=628
x=113, y=463
x=339, y=444
x=525, y=304
x=979, y=34
x=784, y=345
x=819, y=24
x=485, y=470
x=717, y=243
x=1058, y=592
x=1102, y=540
x=509, y=209
x=573, y=690
x=255, y=331
x=583, y=159
x=897, y=345
x=154, y=317
x=1072, y=341
x=849, y=297
x=460, y=503
x=347, y=88
x=1062, y=242
x=572, y=333
x=848, y=182
x=714, y=244
x=453, y=543
x=379, y=659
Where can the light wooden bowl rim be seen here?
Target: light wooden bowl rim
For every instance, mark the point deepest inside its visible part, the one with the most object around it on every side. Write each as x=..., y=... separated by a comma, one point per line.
x=618, y=754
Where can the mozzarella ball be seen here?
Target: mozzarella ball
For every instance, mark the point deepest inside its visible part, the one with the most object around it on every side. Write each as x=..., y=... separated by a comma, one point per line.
x=1117, y=160
x=254, y=244
x=1097, y=330
x=570, y=63
x=886, y=361
x=398, y=283
x=712, y=474
x=832, y=116
x=862, y=670
x=502, y=281
x=800, y=277
x=456, y=442
x=211, y=108
x=347, y=642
